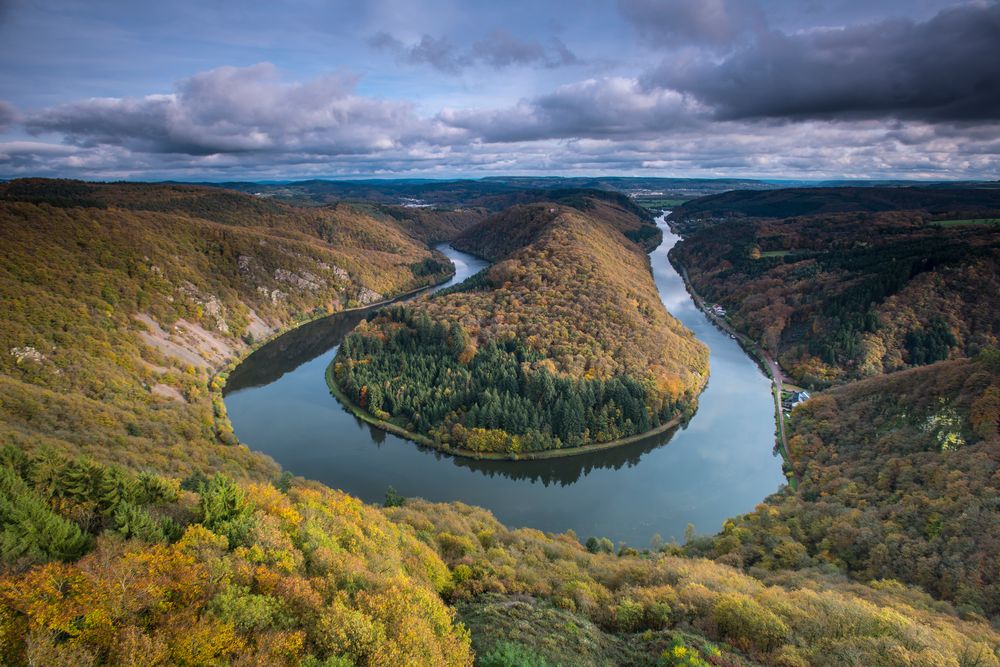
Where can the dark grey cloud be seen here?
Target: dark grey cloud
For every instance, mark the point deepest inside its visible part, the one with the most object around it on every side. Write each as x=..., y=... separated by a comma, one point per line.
x=8, y=114
x=241, y=110
x=609, y=107
x=502, y=49
x=499, y=49
x=705, y=23
x=944, y=69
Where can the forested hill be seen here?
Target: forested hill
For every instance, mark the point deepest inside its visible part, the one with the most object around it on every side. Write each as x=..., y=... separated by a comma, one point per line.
x=841, y=296
x=120, y=300
x=338, y=224
x=898, y=480
x=562, y=342
x=962, y=202
x=500, y=235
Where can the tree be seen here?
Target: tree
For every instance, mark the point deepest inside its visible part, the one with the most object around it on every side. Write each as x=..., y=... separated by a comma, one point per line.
x=225, y=509
x=29, y=531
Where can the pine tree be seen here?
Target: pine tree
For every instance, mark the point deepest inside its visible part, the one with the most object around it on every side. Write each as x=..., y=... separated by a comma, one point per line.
x=30, y=532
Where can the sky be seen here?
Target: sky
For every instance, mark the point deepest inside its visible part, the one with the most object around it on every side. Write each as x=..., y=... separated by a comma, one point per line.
x=213, y=91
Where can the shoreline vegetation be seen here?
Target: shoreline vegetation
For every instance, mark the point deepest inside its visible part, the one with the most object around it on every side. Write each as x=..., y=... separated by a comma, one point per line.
x=424, y=441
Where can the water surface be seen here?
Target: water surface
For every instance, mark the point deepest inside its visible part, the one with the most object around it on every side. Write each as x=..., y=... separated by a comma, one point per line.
x=718, y=466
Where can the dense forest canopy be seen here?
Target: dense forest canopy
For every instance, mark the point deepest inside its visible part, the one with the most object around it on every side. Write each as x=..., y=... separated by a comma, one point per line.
x=562, y=342
x=842, y=296
x=898, y=480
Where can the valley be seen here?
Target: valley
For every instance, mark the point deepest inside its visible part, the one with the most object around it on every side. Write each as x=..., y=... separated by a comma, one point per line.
x=628, y=493
x=136, y=526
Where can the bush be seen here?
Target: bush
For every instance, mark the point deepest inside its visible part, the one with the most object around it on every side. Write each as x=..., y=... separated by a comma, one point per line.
x=745, y=623
x=30, y=532
x=508, y=654
x=226, y=510
x=600, y=545
x=628, y=615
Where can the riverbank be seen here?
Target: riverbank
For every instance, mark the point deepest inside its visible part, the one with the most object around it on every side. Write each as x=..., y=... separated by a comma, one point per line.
x=217, y=382
x=764, y=360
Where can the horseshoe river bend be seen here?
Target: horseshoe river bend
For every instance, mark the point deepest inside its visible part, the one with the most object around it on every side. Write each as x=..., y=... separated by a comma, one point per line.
x=718, y=465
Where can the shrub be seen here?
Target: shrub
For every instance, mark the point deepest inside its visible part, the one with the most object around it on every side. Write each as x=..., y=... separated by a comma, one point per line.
x=744, y=622
x=508, y=654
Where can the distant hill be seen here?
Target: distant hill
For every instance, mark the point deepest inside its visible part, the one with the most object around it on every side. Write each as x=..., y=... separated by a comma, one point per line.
x=842, y=296
x=491, y=195
x=814, y=201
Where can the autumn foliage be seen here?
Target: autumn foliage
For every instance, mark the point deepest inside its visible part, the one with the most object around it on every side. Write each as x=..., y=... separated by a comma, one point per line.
x=562, y=342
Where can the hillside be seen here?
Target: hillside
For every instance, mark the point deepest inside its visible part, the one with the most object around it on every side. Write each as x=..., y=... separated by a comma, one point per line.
x=562, y=342
x=120, y=302
x=842, y=296
x=141, y=569
x=138, y=554
x=898, y=480
x=789, y=202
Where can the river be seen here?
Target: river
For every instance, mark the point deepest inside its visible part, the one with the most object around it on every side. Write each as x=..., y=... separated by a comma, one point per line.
x=719, y=465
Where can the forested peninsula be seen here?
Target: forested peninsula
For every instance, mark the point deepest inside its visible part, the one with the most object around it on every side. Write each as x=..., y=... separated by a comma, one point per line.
x=562, y=343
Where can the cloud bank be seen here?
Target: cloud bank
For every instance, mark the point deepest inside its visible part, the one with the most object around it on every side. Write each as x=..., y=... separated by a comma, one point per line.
x=719, y=88
x=947, y=68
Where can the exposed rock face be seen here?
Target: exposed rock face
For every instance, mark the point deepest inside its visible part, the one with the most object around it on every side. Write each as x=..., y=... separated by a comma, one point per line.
x=366, y=296
x=275, y=295
x=166, y=391
x=27, y=353
x=187, y=342
x=214, y=311
x=305, y=280
x=245, y=265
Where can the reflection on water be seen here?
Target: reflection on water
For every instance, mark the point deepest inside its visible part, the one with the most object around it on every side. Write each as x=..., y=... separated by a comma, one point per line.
x=718, y=465
x=559, y=471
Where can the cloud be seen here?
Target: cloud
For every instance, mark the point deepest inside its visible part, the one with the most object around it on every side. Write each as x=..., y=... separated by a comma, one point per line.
x=810, y=149
x=234, y=110
x=8, y=114
x=608, y=107
x=943, y=69
x=499, y=49
x=251, y=123
x=706, y=23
